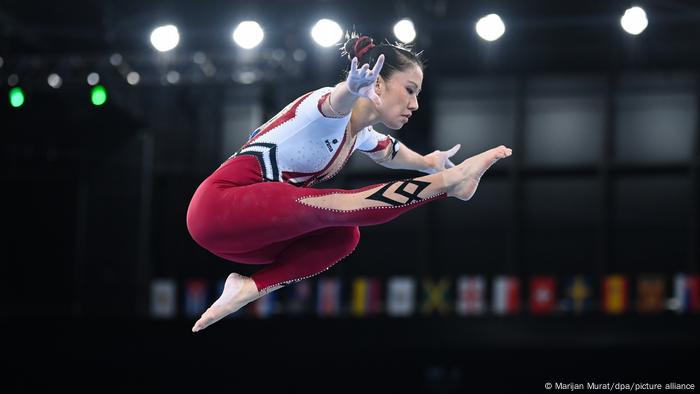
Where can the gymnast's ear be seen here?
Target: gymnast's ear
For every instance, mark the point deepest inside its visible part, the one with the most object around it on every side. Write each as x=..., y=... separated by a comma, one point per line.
x=379, y=85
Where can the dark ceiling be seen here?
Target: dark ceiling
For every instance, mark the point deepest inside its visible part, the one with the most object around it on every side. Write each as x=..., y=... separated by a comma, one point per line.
x=540, y=35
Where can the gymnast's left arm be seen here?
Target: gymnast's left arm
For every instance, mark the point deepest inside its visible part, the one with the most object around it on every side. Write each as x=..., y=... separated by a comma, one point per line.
x=406, y=159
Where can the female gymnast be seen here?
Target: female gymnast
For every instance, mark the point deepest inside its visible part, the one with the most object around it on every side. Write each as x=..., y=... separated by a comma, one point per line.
x=259, y=206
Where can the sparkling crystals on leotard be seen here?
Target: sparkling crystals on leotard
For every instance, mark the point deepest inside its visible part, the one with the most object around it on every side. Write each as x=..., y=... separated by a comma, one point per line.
x=411, y=196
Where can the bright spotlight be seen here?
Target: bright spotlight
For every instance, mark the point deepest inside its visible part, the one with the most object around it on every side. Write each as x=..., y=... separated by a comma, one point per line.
x=326, y=32
x=490, y=27
x=93, y=79
x=405, y=31
x=54, y=80
x=248, y=34
x=133, y=78
x=165, y=38
x=634, y=21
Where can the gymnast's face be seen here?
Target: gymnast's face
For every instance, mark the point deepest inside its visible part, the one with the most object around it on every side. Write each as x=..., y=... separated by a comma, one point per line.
x=399, y=96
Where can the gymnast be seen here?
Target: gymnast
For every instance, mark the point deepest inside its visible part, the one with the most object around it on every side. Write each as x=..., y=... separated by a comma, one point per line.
x=260, y=206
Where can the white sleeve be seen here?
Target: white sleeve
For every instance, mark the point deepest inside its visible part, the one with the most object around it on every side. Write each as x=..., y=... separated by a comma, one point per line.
x=310, y=108
x=379, y=147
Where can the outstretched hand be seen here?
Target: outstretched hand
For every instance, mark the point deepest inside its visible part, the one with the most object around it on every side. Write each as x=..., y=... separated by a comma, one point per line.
x=440, y=160
x=361, y=81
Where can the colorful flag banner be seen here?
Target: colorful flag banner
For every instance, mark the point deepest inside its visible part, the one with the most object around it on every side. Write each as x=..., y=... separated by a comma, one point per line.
x=299, y=297
x=265, y=306
x=195, y=297
x=401, y=296
x=578, y=294
x=615, y=294
x=506, y=295
x=163, y=298
x=651, y=294
x=435, y=296
x=687, y=293
x=470, y=295
x=542, y=295
x=366, y=297
x=328, y=303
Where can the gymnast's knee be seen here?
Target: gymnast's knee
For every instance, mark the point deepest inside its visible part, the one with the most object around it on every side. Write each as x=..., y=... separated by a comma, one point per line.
x=348, y=237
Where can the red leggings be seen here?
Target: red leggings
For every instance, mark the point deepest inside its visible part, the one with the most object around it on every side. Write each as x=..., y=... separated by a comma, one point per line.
x=239, y=217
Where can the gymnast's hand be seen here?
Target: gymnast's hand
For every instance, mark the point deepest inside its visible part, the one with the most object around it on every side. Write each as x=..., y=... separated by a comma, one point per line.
x=440, y=160
x=361, y=81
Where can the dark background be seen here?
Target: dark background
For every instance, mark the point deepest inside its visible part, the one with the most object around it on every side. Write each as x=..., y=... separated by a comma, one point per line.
x=604, y=179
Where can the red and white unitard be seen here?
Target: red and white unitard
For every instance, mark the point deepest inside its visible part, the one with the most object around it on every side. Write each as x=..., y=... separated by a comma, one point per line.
x=248, y=210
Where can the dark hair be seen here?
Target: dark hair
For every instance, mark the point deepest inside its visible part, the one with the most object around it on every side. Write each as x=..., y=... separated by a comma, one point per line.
x=397, y=57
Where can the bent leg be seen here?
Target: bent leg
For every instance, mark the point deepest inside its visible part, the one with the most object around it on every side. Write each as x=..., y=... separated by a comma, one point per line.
x=309, y=256
x=305, y=257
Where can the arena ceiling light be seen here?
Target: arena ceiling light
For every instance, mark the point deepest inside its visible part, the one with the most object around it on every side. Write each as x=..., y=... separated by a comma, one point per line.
x=165, y=38
x=326, y=32
x=133, y=78
x=405, y=31
x=54, y=80
x=248, y=34
x=490, y=27
x=634, y=21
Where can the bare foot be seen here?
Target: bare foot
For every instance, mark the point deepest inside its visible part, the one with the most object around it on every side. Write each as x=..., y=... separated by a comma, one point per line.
x=238, y=291
x=463, y=179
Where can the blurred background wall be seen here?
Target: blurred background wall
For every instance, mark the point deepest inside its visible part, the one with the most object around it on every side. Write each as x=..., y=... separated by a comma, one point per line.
x=590, y=228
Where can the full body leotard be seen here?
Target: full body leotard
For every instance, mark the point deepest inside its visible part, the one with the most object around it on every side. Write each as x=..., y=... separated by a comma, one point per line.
x=249, y=210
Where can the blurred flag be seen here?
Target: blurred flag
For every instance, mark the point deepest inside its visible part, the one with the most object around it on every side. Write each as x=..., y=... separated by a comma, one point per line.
x=299, y=297
x=400, y=296
x=506, y=295
x=470, y=295
x=651, y=293
x=615, y=294
x=195, y=297
x=435, y=296
x=328, y=297
x=687, y=293
x=265, y=306
x=366, y=298
x=578, y=294
x=542, y=294
x=163, y=298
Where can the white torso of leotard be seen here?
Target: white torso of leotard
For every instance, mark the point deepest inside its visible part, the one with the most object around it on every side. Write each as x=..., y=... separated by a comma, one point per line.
x=301, y=146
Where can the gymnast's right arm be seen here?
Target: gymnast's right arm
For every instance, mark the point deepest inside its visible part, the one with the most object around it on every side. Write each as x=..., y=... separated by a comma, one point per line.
x=360, y=83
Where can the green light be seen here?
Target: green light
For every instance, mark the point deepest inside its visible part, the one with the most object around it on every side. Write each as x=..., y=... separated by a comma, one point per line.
x=16, y=97
x=99, y=95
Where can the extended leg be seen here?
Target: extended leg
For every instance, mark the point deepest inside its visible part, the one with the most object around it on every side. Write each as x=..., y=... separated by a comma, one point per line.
x=380, y=203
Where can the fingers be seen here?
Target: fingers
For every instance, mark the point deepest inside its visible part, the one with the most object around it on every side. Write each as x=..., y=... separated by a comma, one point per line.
x=378, y=65
x=454, y=150
x=363, y=71
x=449, y=164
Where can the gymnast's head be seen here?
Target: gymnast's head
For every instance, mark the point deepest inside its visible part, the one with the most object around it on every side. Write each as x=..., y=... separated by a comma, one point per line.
x=400, y=80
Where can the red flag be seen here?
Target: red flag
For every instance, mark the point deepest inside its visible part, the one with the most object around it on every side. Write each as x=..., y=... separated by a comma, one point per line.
x=542, y=294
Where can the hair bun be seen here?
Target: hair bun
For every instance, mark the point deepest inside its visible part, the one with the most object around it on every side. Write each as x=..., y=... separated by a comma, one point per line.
x=356, y=45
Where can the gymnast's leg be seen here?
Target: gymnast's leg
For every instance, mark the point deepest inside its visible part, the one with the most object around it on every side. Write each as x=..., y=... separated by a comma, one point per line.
x=307, y=256
x=334, y=208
